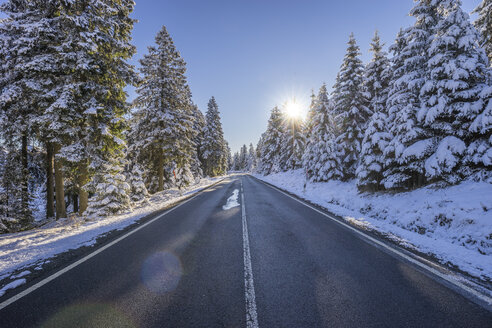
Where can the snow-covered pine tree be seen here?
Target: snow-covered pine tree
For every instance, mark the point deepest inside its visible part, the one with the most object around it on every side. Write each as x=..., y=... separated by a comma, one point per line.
x=377, y=76
x=213, y=147
x=99, y=76
x=165, y=132
x=251, y=158
x=243, y=158
x=293, y=143
x=111, y=191
x=198, y=125
x=456, y=76
x=74, y=58
x=408, y=147
x=396, y=103
x=307, y=158
x=484, y=26
x=351, y=109
x=138, y=190
x=24, y=35
x=271, y=144
x=376, y=136
x=310, y=115
x=323, y=161
x=228, y=161
x=259, y=146
x=479, y=152
x=235, y=162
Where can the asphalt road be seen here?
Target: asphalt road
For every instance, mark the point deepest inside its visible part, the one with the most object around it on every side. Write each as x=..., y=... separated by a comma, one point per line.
x=188, y=269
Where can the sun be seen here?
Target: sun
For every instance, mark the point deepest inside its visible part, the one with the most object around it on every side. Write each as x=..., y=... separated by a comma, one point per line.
x=293, y=109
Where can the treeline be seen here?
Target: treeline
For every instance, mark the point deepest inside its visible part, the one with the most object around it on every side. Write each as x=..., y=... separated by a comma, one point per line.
x=422, y=116
x=245, y=160
x=67, y=131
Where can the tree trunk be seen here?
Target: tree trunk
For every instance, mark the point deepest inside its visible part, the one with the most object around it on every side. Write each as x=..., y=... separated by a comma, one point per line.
x=421, y=180
x=83, y=194
x=25, y=172
x=75, y=200
x=160, y=170
x=25, y=181
x=50, y=204
x=61, y=211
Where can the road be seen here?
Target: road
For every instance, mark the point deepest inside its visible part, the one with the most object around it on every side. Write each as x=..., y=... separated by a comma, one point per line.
x=270, y=262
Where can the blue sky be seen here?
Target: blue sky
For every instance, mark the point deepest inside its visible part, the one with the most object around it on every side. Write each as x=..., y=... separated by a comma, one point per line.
x=255, y=54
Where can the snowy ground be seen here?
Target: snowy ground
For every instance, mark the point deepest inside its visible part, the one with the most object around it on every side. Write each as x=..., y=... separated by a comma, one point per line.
x=35, y=247
x=453, y=224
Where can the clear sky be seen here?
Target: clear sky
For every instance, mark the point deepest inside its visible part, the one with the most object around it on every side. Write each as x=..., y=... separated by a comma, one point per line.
x=255, y=54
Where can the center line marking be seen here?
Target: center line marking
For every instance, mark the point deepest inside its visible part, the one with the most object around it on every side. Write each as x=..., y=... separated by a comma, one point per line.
x=249, y=288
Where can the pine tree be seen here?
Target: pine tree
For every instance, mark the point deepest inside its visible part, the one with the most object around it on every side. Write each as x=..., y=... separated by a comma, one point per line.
x=111, y=191
x=457, y=73
x=484, y=26
x=376, y=136
x=308, y=125
x=321, y=154
x=259, y=146
x=377, y=76
x=228, y=155
x=243, y=158
x=351, y=110
x=101, y=75
x=138, y=189
x=308, y=158
x=198, y=126
x=396, y=104
x=213, y=149
x=293, y=143
x=251, y=162
x=272, y=144
x=235, y=162
x=164, y=134
x=409, y=144
x=23, y=34
x=479, y=152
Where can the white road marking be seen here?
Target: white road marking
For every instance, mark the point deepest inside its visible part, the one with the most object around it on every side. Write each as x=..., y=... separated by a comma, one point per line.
x=249, y=288
x=82, y=260
x=447, y=277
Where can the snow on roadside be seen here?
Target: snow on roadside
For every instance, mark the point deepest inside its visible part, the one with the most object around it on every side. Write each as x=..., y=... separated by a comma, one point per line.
x=33, y=247
x=12, y=285
x=454, y=224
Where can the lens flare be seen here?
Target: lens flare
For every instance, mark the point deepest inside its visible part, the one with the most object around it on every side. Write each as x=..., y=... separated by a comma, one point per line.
x=89, y=315
x=161, y=272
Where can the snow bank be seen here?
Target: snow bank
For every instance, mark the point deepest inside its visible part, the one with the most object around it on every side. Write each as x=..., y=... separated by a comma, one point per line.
x=20, y=250
x=12, y=285
x=454, y=224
